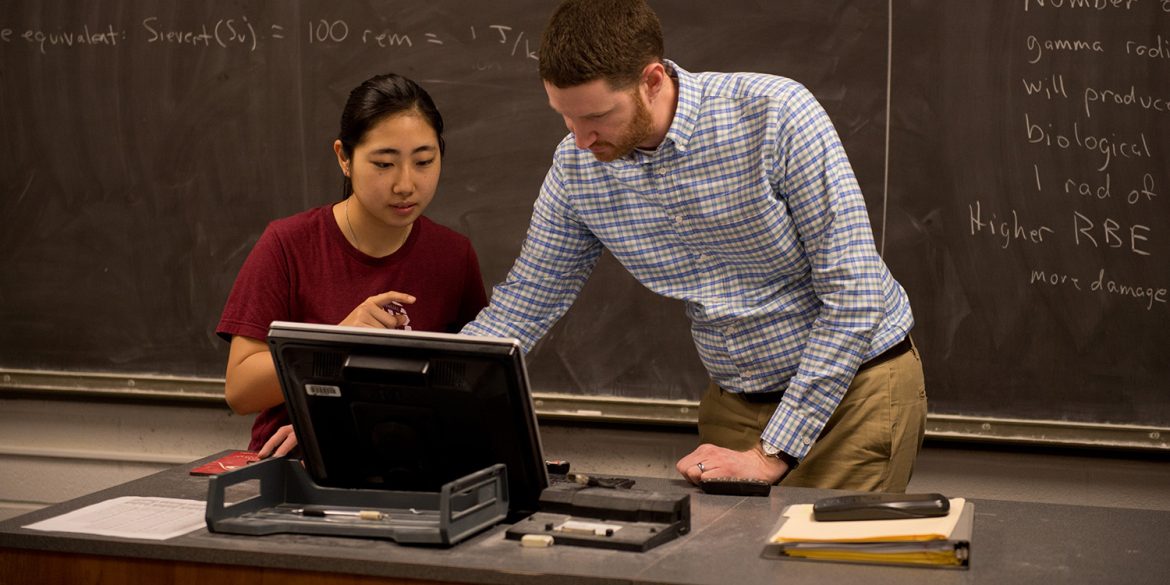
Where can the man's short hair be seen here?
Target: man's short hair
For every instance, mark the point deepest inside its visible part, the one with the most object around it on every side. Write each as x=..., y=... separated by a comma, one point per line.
x=588, y=40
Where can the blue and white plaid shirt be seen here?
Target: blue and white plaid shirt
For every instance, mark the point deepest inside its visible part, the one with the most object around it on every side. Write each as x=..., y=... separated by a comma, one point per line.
x=750, y=213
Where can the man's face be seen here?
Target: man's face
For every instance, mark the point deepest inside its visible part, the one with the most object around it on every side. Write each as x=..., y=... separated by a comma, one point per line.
x=610, y=123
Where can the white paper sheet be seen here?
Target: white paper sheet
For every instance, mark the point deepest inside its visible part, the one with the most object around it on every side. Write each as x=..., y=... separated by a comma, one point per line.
x=131, y=517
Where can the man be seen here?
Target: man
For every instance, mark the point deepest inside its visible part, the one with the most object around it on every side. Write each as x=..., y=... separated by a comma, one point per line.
x=731, y=192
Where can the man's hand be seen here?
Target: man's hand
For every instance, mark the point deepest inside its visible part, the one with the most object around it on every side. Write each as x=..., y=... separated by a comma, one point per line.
x=710, y=461
x=281, y=443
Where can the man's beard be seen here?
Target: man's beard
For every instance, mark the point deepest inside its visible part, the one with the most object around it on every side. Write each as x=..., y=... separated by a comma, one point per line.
x=635, y=133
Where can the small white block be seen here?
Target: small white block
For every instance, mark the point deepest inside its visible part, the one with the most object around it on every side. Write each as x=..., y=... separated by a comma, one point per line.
x=536, y=540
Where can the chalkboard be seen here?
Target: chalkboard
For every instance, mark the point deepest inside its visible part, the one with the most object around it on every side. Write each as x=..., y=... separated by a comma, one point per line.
x=1029, y=205
x=148, y=144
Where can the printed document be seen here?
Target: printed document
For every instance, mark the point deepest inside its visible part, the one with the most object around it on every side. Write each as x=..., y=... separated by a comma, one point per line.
x=131, y=517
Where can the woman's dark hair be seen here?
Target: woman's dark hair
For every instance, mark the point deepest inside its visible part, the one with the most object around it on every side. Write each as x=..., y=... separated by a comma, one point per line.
x=375, y=99
x=586, y=40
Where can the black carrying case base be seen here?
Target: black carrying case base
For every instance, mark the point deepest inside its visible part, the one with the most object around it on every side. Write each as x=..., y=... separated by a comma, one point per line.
x=460, y=509
x=618, y=519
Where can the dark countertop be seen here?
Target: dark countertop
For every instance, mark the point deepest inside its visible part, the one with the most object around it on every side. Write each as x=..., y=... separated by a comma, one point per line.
x=1013, y=542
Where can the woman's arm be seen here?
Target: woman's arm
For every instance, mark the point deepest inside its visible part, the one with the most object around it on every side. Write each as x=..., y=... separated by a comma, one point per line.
x=251, y=383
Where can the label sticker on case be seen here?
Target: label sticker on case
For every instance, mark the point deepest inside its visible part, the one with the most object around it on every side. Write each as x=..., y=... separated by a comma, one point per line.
x=322, y=390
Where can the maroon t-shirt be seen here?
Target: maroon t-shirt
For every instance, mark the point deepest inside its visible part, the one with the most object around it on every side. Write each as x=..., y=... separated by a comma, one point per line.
x=304, y=270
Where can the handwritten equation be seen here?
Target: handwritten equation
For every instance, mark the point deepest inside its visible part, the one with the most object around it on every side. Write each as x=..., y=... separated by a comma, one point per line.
x=244, y=33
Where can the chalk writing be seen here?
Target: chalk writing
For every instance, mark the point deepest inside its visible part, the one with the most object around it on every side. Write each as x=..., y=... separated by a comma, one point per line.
x=86, y=36
x=1050, y=87
x=328, y=31
x=1159, y=48
x=1089, y=4
x=1004, y=230
x=1054, y=278
x=1104, y=190
x=244, y=32
x=236, y=31
x=504, y=30
x=1098, y=283
x=338, y=31
x=1037, y=47
x=387, y=38
x=1155, y=295
x=1096, y=233
x=1111, y=234
x=223, y=32
x=1128, y=98
x=1092, y=133
x=155, y=34
x=1107, y=146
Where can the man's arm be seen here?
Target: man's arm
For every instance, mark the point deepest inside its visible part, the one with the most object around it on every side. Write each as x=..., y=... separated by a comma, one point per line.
x=814, y=177
x=556, y=259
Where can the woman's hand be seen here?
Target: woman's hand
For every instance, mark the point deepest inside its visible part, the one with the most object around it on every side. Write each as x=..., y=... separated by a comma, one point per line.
x=382, y=311
x=281, y=443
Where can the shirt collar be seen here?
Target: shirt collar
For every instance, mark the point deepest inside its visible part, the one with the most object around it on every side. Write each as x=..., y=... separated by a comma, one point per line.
x=686, y=111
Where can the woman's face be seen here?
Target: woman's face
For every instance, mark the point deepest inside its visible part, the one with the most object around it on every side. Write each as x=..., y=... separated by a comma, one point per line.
x=395, y=168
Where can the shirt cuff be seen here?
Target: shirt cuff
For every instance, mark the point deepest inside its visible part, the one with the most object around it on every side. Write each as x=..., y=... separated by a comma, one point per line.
x=791, y=432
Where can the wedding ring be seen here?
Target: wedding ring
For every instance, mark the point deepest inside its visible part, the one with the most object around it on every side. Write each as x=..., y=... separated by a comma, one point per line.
x=700, y=466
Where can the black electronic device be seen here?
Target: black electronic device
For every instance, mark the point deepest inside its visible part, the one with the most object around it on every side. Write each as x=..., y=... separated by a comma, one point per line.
x=409, y=410
x=603, y=517
x=880, y=507
x=735, y=486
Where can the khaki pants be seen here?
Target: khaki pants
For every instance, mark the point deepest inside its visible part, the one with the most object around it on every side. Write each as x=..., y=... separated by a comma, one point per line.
x=869, y=444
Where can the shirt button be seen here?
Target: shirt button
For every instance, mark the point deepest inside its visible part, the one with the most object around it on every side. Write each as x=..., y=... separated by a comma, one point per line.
x=678, y=219
x=806, y=441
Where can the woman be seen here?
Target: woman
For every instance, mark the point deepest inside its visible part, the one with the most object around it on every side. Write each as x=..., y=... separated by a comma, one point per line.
x=370, y=260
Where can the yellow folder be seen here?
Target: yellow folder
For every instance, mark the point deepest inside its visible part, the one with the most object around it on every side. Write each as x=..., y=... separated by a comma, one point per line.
x=944, y=541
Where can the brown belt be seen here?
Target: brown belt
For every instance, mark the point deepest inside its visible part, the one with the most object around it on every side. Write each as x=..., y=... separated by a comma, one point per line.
x=774, y=397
